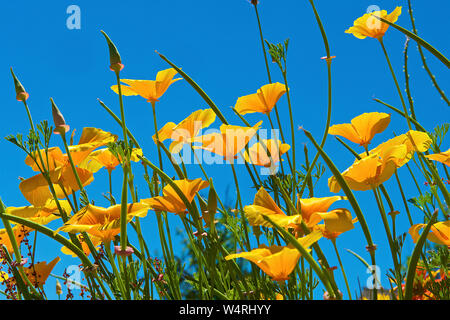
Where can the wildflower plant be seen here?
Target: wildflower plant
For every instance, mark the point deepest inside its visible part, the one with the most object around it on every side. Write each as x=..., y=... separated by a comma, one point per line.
x=280, y=235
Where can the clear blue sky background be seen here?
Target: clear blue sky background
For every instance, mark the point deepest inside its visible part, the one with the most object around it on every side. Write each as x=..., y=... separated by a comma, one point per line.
x=217, y=44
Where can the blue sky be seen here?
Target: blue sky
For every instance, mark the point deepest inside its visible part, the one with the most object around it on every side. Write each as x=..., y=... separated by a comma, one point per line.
x=217, y=44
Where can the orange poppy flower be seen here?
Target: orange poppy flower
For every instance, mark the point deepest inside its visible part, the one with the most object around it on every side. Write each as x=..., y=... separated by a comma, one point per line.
x=171, y=202
x=35, y=189
x=414, y=141
x=439, y=232
x=39, y=272
x=41, y=215
x=443, y=157
x=229, y=142
x=257, y=154
x=103, y=223
x=277, y=261
x=372, y=170
x=336, y=222
x=186, y=130
x=369, y=26
x=20, y=231
x=264, y=205
x=262, y=101
x=95, y=241
x=363, y=128
x=104, y=158
x=313, y=209
x=151, y=90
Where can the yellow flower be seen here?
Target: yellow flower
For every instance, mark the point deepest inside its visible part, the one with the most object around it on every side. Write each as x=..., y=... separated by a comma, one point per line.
x=104, y=158
x=363, y=128
x=103, y=223
x=443, y=157
x=414, y=141
x=186, y=130
x=262, y=101
x=372, y=170
x=264, y=205
x=229, y=142
x=171, y=202
x=95, y=241
x=20, y=231
x=439, y=232
x=277, y=261
x=257, y=154
x=41, y=215
x=151, y=90
x=36, y=189
x=369, y=26
x=39, y=272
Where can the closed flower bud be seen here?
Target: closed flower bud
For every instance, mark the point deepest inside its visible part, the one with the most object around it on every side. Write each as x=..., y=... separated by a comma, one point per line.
x=114, y=56
x=21, y=94
x=60, y=124
x=58, y=288
x=123, y=253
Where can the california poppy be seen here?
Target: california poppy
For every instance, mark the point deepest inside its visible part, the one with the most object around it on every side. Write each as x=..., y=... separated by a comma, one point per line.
x=362, y=128
x=336, y=222
x=372, y=170
x=262, y=101
x=257, y=153
x=35, y=189
x=170, y=201
x=313, y=209
x=95, y=241
x=439, y=232
x=277, y=261
x=443, y=157
x=370, y=26
x=105, y=158
x=264, y=205
x=103, y=223
x=20, y=231
x=41, y=215
x=151, y=90
x=39, y=272
x=186, y=130
x=229, y=142
x=414, y=141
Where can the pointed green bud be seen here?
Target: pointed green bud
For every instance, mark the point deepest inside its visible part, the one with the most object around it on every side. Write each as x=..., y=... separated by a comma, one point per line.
x=21, y=94
x=114, y=56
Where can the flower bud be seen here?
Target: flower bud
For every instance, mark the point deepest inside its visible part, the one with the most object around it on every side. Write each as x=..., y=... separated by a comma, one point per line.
x=21, y=94
x=114, y=56
x=123, y=253
x=60, y=124
x=58, y=288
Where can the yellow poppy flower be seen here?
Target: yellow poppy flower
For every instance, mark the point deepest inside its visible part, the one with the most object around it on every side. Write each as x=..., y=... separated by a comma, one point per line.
x=104, y=158
x=362, y=128
x=41, y=215
x=443, y=157
x=369, y=26
x=264, y=205
x=415, y=141
x=151, y=90
x=336, y=222
x=257, y=154
x=95, y=241
x=171, y=202
x=277, y=261
x=372, y=170
x=229, y=142
x=312, y=209
x=103, y=223
x=186, y=130
x=39, y=272
x=439, y=232
x=35, y=189
x=262, y=101
x=20, y=231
